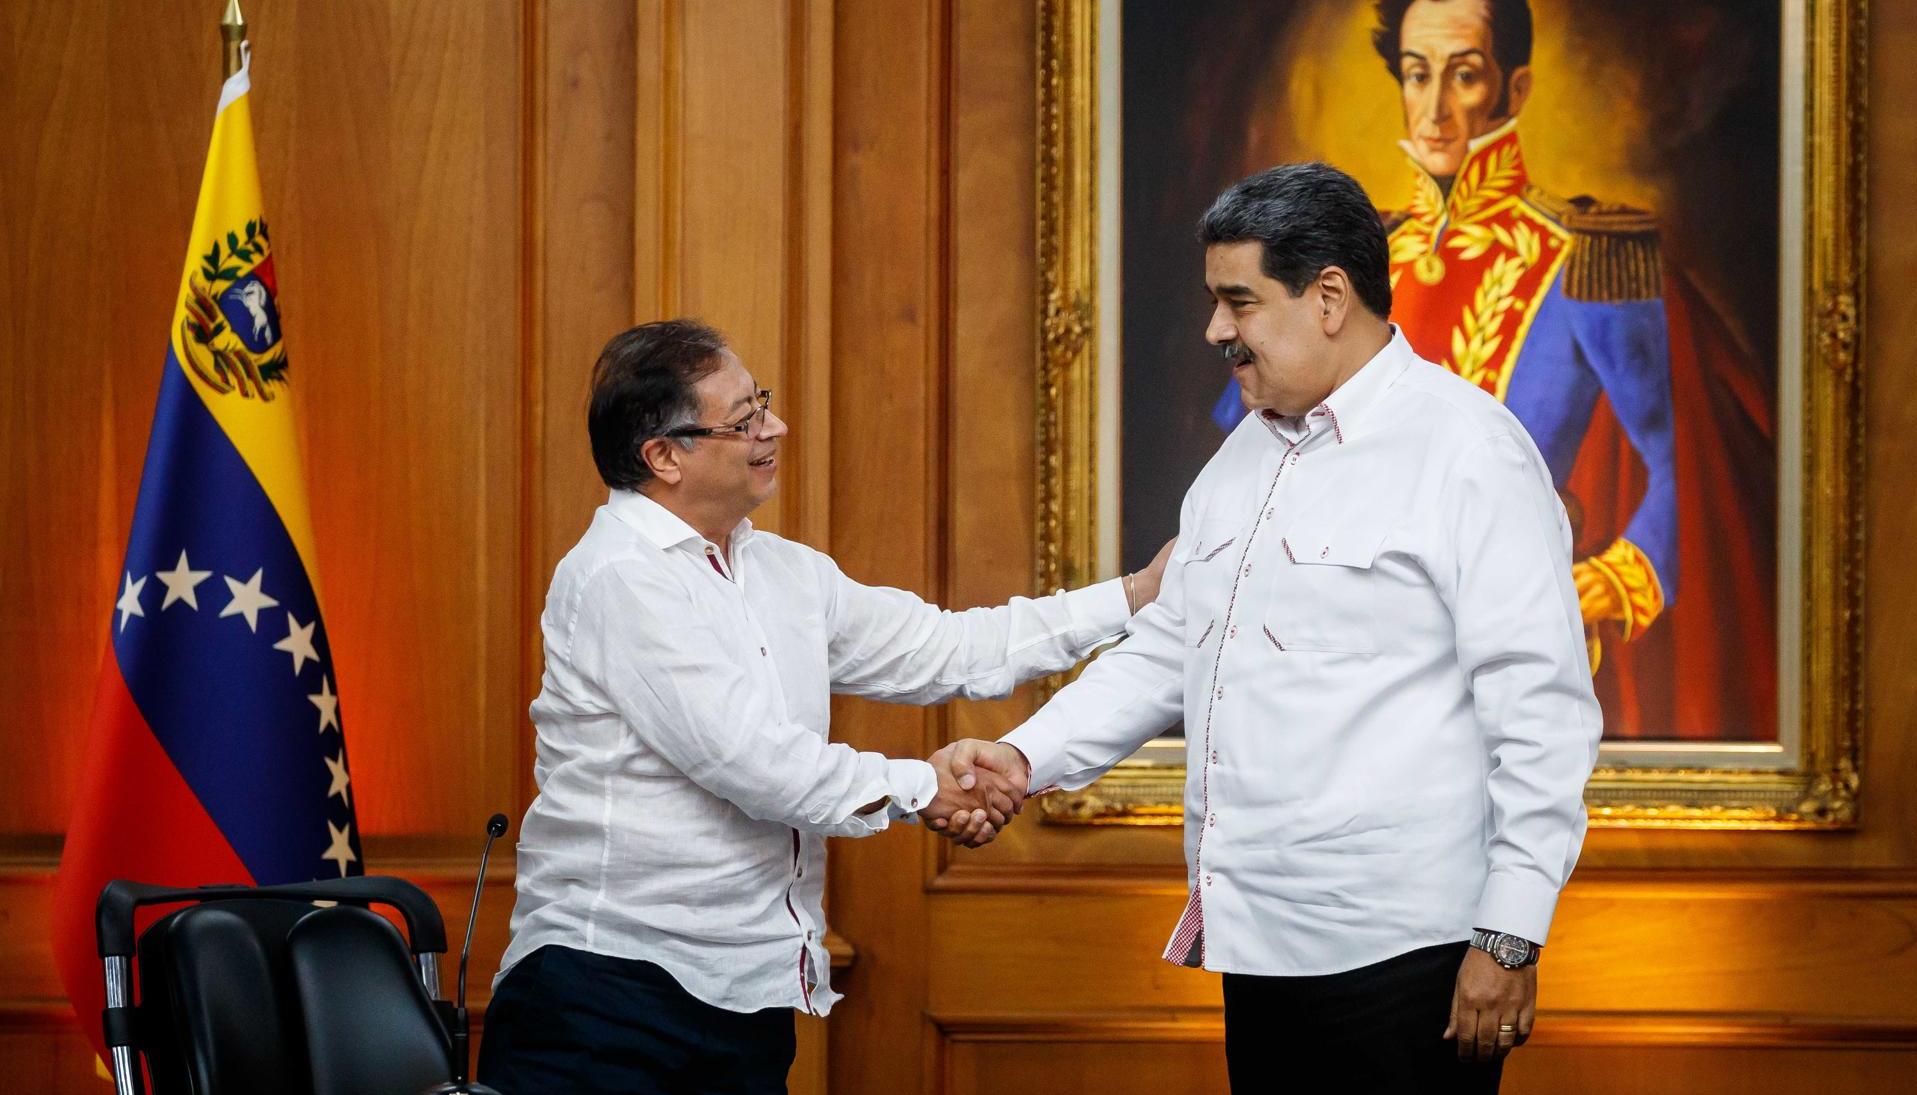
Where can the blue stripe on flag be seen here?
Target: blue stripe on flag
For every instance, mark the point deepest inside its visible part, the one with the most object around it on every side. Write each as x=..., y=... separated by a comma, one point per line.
x=228, y=707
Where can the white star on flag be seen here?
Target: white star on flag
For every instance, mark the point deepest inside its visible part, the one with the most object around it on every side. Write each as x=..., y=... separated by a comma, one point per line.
x=247, y=599
x=298, y=643
x=129, y=603
x=337, y=766
x=327, y=703
x=341, y=850
x=179, y=584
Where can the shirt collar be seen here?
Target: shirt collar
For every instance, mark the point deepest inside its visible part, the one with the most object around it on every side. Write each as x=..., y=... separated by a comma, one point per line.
x=1345, y=409
x=660, y=526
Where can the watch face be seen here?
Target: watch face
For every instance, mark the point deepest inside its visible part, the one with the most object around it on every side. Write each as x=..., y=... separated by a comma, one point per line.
x=1509, y=950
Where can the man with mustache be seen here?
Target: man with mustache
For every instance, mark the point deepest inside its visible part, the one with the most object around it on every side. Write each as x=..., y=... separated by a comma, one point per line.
x=672, y=869
x=1370, y=631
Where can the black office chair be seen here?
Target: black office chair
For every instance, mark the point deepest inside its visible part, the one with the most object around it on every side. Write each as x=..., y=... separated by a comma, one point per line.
x=252, y=989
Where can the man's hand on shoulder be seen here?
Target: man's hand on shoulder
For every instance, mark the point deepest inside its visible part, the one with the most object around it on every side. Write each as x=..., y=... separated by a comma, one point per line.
x=981, y=788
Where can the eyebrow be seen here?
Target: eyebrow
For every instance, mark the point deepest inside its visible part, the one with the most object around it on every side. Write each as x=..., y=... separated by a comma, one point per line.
x=1458, y=56
x=1231, y=290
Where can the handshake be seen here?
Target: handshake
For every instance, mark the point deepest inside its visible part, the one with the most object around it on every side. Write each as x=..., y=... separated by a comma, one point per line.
x=982, y=787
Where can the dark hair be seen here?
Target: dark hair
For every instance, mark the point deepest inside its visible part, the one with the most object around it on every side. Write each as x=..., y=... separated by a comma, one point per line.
x=1510, y=39
x=642, y=387
x=1308, y=216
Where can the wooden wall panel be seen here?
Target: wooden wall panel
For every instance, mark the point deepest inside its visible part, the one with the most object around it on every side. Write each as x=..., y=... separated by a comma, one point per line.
x=402, y=278
x=888, y=445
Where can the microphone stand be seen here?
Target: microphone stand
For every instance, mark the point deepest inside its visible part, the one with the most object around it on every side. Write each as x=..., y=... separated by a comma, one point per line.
x=461, y=1031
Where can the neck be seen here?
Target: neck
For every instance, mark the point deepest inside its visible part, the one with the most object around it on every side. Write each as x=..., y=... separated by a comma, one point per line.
x=714, y=522
x=1368, y=340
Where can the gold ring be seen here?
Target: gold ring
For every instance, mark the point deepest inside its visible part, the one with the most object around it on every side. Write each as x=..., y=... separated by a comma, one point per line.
x=1506, y=1028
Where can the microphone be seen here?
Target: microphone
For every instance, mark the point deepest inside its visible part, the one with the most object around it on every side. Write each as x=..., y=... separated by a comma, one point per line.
x=461, y=1025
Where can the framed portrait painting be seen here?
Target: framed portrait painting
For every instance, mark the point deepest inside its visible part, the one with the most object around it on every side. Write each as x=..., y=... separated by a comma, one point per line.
x=1637, y=224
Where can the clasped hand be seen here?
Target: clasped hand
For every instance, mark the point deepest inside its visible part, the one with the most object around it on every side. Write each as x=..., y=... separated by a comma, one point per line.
x=982, y=787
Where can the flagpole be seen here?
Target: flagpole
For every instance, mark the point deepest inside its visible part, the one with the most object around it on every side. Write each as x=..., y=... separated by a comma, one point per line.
x=232, y=35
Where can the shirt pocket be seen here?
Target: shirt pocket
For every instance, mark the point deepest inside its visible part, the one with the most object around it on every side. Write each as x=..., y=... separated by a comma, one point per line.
x=1207, y=573
x=1325, y=594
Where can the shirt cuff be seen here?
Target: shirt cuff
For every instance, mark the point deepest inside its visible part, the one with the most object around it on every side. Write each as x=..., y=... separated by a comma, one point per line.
x=911, y=786
x=1047, y=759
x=1517, y=906
x=1098, y=611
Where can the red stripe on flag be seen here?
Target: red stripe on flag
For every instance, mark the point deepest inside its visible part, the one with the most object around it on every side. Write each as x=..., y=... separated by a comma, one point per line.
x=135, y=818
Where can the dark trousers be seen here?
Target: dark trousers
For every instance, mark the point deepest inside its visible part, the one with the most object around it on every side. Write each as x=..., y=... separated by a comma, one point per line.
x=1377, y=1029
x=566, y=1022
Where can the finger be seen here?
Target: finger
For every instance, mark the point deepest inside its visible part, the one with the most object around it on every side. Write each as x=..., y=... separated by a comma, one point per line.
x=1001, y=805
x=1487, y=1049
x=1467, y=1024
x=986, y=837
x=963, y=754
x=1507, y=1038
x=975, y=823
x=1527, y=1016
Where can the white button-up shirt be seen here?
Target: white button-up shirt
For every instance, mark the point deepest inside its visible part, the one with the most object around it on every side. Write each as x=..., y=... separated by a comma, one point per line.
x=686, y=783
x=1370, y=630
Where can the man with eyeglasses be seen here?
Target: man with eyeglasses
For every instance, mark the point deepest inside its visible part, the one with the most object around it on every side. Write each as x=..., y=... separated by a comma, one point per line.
x=671, y=870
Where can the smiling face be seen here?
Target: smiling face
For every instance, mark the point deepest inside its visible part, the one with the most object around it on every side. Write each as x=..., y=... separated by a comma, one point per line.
x=732, y=471
x=1284, y=359
x=1451, y=87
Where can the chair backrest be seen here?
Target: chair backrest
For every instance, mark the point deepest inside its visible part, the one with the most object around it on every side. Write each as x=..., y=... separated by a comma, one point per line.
x=270, y=993
x=369, y=1025
x=214, y=1016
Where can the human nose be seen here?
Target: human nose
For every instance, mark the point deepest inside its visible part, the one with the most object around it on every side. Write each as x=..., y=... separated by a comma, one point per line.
x=771, y=426
x=1221, y=329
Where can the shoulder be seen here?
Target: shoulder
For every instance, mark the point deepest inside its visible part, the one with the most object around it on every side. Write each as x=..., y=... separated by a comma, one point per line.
x=1614, y=253
x=1448, y=414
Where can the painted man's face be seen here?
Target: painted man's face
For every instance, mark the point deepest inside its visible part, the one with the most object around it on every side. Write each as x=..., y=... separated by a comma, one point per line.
x=1451, y=85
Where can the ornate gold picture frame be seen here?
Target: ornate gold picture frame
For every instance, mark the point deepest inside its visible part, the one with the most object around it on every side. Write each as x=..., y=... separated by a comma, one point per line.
x=1808, y=778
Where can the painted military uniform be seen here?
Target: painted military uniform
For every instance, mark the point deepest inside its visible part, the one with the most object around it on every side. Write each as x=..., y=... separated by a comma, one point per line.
x=1551, y=306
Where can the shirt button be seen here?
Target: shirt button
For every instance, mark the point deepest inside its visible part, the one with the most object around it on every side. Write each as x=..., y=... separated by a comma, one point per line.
x=1247, y=568
x=1207, y=880
x=1214, y=758
x=1270, y=513
x=801, y=872
x=1233, y=633
x=1212, y=820
x=1221, y=693
x=762, y=652
x=808, y=935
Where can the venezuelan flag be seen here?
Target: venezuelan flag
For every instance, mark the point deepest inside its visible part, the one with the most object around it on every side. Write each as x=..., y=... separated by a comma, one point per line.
x=216, y=751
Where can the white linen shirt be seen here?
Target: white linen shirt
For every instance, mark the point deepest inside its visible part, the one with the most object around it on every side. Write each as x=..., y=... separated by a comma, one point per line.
x=1370, y=629
x=686, y=783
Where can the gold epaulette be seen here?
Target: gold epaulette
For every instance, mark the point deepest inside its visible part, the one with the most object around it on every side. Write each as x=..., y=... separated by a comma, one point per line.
x=1614, y=250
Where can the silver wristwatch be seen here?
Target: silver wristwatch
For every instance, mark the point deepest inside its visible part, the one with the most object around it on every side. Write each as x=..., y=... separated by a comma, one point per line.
x=1513, y=952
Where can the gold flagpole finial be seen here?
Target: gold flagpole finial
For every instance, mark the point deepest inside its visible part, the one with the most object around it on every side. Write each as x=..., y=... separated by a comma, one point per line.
x=232, y=33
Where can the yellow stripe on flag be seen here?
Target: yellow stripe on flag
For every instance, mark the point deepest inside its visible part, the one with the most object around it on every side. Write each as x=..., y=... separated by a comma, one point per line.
x=257, y=415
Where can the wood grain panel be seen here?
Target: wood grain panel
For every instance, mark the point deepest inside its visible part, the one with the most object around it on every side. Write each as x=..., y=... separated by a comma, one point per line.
x=403, y=285
x=889, y=297
x=108, y=119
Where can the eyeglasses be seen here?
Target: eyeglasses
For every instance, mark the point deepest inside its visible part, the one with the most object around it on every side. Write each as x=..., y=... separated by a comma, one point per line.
x=752, y=425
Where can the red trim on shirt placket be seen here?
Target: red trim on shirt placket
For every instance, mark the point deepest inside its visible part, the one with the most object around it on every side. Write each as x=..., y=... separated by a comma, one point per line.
x=1191, y=923
x=805, y=987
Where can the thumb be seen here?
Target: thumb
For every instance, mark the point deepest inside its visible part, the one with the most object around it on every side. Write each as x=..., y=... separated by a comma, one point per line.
x=964, y=753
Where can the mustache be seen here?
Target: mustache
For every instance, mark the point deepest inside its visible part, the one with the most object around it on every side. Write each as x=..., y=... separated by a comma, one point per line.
x=1236, y=353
